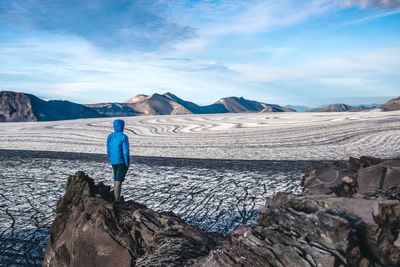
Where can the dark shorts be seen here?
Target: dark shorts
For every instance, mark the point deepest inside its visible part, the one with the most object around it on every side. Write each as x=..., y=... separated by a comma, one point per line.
x=120, y=171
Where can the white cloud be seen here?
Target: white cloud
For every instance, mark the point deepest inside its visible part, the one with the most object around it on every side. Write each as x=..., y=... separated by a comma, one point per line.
x=347, y=71
x=371, y=3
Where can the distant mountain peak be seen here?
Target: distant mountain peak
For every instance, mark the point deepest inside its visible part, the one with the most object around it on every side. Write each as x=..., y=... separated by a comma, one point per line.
x=336, y=108
x=392, y=105
x=16, y=106
x=24, y=107
x=136, y=98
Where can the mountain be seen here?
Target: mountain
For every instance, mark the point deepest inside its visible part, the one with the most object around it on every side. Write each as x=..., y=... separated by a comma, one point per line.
x=170, y=104
x=26, y=107
x=392, y=105
x=157, y=104
x=335, y=108
x=240, y=105
x=298, y=108
x=369, y=106
x=113, y=109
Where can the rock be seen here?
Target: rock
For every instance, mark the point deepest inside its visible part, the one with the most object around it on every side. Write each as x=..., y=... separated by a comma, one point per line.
x=348, y=180
x=341, y=228
x=392, y=105
x=384, y=175
x=313, y=230
x=91, y=230
x=322, y=178
x=367, y=161
x=371, y=178
x=392, y=178
x=353, y=164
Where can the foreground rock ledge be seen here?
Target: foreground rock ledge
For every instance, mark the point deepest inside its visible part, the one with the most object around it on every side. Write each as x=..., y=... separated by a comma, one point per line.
x=91, y=230
x=324, y=229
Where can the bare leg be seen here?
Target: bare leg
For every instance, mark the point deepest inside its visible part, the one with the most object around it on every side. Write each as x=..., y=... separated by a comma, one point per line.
x=117, y=190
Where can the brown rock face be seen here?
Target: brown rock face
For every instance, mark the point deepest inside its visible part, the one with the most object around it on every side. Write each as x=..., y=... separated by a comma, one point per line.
x=365, y=175
x=323, y=178
x=25, y=107
x=91, y=230
x=392, y=105
x=15, y=107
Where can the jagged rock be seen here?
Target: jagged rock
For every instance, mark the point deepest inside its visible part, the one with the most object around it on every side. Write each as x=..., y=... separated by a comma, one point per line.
x=315, y=230
x=91, y=230
x=323, y=178
x=383, y=175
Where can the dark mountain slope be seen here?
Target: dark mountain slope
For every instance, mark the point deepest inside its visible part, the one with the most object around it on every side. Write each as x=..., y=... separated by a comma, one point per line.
x=26, y=107
x=392, y=105
x=239, y=105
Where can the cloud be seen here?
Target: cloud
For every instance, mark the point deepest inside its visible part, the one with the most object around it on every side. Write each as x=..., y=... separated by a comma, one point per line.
x=358, y=70
x=384, y=4
x=109, y=24
x=370, y=17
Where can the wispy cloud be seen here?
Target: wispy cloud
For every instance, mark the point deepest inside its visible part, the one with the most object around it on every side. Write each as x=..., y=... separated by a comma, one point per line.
x=110, y=24
x=371, y=3
x=370, y=17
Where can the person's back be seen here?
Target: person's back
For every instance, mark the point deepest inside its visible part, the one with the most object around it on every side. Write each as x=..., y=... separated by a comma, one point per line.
x=118, y=152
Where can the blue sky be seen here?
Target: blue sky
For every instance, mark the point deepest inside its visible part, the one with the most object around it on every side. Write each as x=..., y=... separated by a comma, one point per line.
x=285, y=51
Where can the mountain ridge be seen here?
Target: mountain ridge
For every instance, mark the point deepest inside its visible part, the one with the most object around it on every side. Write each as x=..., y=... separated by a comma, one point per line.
x=18, y=106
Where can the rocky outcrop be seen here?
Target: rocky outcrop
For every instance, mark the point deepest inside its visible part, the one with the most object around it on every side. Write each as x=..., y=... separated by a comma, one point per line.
x=25, y=107
x=317, y=230
x=92, y=230
x=15, y=107
x=366, y=175
x=392, y=105
x=336, y=221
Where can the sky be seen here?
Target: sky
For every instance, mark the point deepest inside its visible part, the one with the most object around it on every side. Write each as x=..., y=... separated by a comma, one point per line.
x=285, y=51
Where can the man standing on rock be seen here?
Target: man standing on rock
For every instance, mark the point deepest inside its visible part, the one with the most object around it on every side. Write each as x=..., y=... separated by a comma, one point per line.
x=118, y=152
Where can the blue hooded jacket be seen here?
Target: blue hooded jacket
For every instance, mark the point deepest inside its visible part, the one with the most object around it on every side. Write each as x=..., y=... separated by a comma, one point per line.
x=118, y=145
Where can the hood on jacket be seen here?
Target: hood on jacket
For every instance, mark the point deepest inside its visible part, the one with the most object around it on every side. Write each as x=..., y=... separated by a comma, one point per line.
x=119, y=125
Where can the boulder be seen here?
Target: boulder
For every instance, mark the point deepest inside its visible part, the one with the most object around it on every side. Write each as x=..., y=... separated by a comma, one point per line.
x=326, y=178
x=91, y=230
x=317, y=230
x=383, y=175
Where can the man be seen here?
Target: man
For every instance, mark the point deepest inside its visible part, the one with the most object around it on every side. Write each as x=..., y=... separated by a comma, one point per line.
x=118, y=152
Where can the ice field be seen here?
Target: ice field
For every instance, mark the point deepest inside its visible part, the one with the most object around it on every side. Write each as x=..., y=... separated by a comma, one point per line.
x=274, y=136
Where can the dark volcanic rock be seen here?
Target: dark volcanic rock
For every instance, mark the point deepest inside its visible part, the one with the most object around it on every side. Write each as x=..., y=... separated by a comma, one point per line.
x=316, y=230
x=16, y=107
x=322, y=178
x=91, y=230
x=392, y=105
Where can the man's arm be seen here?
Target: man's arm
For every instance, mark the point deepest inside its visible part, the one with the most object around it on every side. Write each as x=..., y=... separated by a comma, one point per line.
x=125, y=149
x=108, y=144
